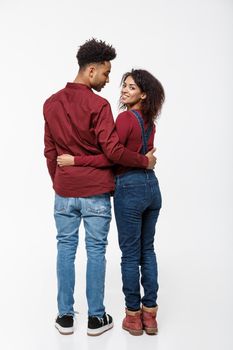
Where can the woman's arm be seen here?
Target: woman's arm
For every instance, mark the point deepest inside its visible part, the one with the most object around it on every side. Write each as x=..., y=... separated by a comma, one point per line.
x=123, y=127
x=96, y=161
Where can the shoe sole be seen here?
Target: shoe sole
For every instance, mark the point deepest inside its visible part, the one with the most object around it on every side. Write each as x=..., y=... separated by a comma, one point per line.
x=133, y=332
x=63, y=330
x=151, y=331
x=99, y=331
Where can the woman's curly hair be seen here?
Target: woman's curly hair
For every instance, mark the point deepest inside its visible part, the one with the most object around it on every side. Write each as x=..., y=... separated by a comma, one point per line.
x=94, y=51
x=155, y=96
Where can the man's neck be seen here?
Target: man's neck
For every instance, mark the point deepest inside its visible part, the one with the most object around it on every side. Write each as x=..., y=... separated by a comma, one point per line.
x=81, y=79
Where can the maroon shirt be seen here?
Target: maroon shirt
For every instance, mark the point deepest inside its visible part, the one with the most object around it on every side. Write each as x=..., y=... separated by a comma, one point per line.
x=79, y=122
x=130, y=135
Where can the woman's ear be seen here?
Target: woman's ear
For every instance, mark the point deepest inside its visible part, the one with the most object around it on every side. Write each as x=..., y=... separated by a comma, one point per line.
x=143, y=96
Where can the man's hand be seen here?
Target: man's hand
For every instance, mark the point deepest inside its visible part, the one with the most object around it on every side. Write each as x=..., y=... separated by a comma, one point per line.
x=151, y=159
x=65, y=160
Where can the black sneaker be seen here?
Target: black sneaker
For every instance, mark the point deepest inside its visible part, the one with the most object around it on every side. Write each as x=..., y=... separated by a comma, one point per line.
x=65, y=324
x=98, y=325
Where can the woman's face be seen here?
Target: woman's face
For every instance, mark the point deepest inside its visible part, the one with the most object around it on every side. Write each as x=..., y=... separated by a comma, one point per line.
x=131, y=94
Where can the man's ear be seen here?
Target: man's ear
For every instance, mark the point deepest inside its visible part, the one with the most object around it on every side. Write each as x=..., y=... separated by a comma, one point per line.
x=91, y=70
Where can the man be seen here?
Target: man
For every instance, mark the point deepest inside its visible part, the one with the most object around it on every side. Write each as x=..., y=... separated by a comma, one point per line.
x=78, y=122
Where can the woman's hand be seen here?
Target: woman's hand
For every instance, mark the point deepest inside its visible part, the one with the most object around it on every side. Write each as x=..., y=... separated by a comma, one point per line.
x=65, y=160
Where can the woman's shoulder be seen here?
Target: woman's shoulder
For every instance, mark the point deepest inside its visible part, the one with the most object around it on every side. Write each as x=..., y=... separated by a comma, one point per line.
x=125, y=120
x=124, y=115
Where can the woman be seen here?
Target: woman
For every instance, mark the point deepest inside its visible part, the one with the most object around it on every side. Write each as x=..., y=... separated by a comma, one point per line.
x=137, y=199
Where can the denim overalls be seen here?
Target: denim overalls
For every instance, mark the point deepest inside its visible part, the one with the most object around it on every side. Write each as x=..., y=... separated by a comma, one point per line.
x=137, y=202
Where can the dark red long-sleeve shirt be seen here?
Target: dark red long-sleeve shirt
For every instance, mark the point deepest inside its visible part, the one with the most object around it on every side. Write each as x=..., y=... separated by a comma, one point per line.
x=130, y=135
x=79, y=122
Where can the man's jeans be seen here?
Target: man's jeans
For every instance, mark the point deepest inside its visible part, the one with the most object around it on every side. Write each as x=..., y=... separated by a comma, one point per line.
x=137, y=202
x=96, y=214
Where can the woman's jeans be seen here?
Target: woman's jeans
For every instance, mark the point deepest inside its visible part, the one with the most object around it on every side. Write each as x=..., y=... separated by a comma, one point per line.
x=96, y=214
x=137, y=202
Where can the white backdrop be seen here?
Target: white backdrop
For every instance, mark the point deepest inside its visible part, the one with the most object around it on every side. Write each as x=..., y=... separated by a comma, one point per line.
x=188, y=46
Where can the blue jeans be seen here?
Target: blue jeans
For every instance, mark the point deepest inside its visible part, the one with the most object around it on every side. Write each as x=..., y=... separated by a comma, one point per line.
x=137, y=202
x=96, y=214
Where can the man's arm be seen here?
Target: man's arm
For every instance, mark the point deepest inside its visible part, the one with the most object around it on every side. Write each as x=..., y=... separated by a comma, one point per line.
x=50, y=151
x=111, y=146
x=123, y=128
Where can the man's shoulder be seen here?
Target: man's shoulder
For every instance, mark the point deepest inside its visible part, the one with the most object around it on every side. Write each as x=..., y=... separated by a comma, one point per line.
x=54, y=98
x=101, y=101
x=65, y=97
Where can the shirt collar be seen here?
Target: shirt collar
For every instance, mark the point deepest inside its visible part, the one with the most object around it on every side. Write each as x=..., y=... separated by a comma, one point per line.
x=77, y=86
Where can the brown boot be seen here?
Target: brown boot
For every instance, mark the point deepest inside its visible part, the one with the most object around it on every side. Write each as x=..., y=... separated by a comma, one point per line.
x=132, y=322
x=149, y=319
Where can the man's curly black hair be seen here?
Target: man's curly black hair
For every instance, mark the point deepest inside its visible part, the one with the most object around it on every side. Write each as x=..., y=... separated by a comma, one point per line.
x=94, y=51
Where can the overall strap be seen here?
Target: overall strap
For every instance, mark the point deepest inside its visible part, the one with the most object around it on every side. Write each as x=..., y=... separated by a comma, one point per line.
x=145, y=134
